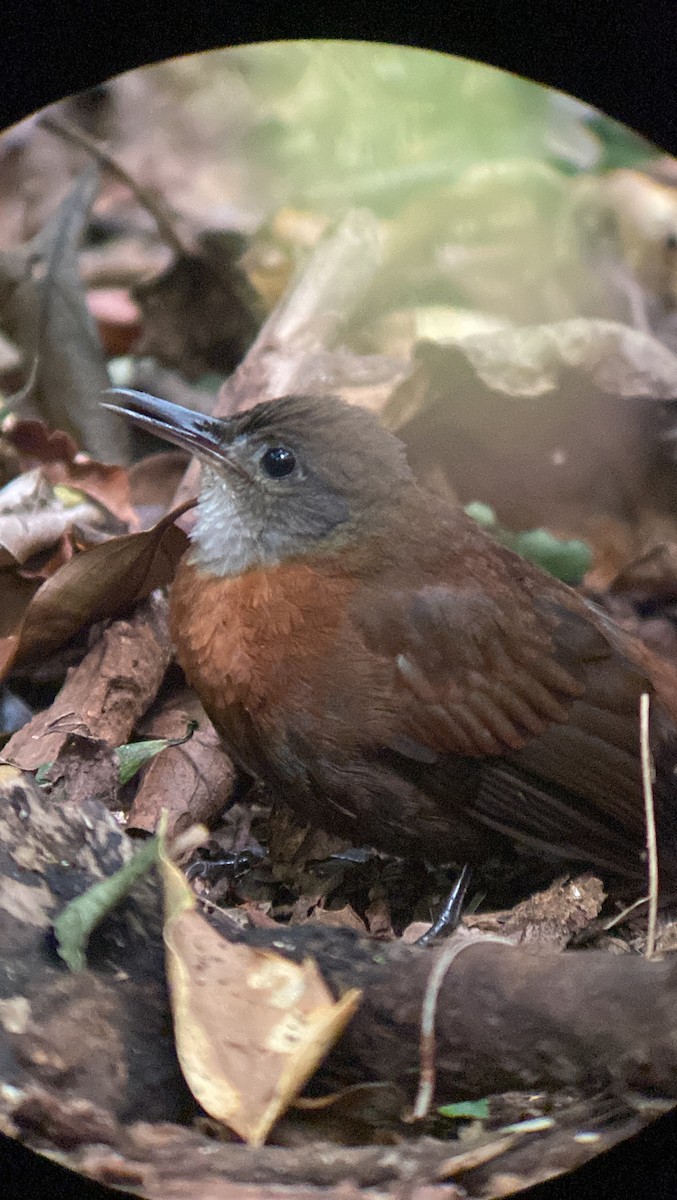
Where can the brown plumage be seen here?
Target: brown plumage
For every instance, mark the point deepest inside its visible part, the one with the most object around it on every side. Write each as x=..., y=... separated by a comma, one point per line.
x=393, y=673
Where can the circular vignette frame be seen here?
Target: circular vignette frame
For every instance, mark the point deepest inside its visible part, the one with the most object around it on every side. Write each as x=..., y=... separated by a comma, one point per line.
x=620, y=58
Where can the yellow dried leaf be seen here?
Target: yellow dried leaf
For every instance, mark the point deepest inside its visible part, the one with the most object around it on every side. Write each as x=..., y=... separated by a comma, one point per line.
x=250, y=1026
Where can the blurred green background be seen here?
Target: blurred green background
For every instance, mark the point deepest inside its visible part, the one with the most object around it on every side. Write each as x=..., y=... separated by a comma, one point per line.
x=353, y=122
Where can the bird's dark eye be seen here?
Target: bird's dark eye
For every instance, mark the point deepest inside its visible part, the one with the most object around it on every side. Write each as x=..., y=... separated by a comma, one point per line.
x=278, y=462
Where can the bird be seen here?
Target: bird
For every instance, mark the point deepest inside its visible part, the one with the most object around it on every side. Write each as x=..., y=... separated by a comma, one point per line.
x=390, y=671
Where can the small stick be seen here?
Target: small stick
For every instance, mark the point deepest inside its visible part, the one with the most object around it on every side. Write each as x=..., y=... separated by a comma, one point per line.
x=648, y=776
x=625, y=913
x=152, y=204
x=426, y=1080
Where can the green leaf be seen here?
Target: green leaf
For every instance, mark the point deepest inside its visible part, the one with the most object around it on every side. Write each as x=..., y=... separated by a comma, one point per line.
x=566, y=560
x=135, y=755
x=42, y=773
x=74, y=925
x=347, y=122
x=482, y=513
x=466, y=1110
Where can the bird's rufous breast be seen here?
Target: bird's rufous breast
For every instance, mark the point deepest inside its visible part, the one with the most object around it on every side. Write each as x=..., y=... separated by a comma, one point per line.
x=247, y=640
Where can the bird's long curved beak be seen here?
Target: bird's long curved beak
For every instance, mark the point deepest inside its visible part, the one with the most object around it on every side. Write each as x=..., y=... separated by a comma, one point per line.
x=204, y=436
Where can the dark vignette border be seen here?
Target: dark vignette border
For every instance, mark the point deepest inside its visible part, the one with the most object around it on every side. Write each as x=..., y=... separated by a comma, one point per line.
x=620, y=57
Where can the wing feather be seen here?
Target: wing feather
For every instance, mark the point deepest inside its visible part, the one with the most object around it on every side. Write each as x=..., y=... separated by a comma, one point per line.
x=475, y=679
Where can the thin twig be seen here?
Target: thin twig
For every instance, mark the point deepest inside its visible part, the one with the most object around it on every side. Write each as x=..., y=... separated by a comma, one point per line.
x=426, y=1080
x=152, y=204
x=625, y=913
x=648, y=775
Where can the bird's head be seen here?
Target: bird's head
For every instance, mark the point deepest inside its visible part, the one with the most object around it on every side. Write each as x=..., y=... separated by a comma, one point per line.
x=287, y=478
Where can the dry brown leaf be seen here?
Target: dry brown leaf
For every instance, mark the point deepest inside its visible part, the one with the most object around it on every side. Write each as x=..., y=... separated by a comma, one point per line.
x=257, y=913
x=250, y=1026
x=16, y=594
x=122, y=262
x=108, y=485
x=43, y=309
x=34, y=517
x=57, y=455
x=36, y=444
x=364, y=379
x=100, y=583
x=311, y=317
x=415, y=930
x=529, y=361
x=191, y=782
x=548, y=920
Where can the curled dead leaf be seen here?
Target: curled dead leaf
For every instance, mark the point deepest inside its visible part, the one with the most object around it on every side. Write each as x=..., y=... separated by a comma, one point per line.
x=36, y=444
x=35, y=516
x=57, y=455
x=98, y=584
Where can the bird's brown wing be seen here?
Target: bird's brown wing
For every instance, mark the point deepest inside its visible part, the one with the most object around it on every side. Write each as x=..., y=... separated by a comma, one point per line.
x=477, y=679
x=541, y=693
